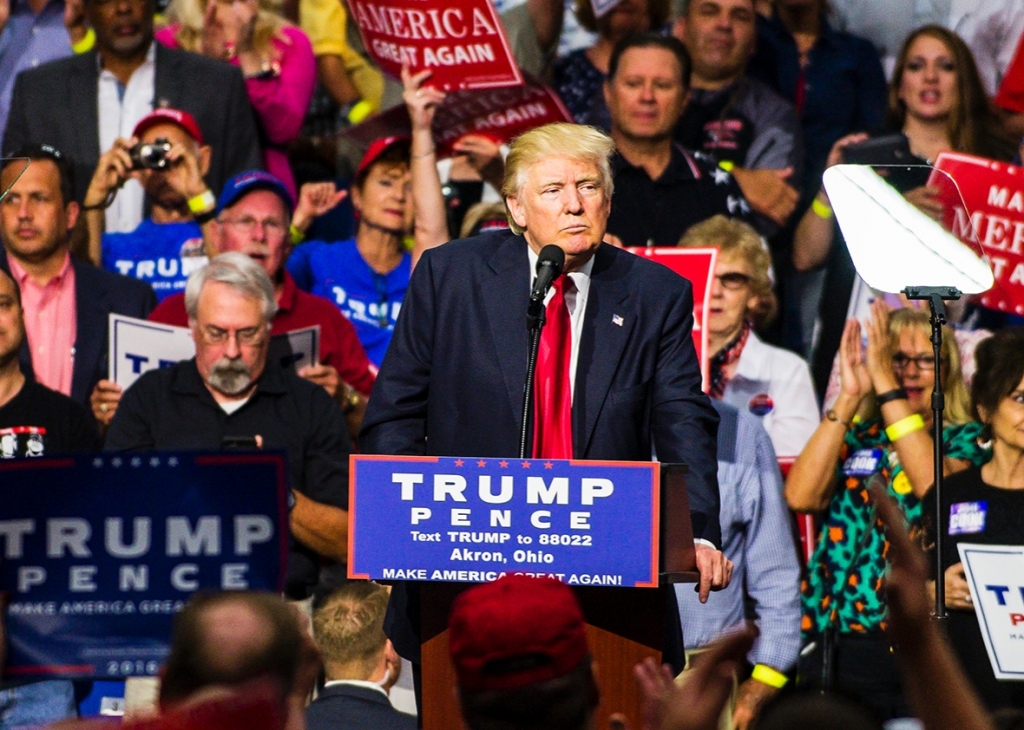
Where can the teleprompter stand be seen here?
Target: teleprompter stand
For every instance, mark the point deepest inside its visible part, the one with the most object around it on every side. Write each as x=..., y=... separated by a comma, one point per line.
x=624, y=625
x=935, y=296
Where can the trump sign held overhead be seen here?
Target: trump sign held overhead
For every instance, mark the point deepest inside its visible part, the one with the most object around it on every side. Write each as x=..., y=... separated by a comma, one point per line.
x=99, y=552
x=473, y=520
x=462, y=42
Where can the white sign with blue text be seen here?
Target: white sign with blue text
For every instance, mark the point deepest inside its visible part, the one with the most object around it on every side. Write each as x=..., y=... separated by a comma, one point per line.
x=995, y=574
x=473, y=520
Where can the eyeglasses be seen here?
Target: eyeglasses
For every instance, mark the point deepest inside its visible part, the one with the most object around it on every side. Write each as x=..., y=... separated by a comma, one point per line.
x=248, y=337
x=733, y=280
x=923, y=362
x=248, y=224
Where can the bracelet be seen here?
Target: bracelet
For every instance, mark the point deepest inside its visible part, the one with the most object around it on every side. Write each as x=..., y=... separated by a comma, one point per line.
x=202, y=203
x=890, y=395
x=766, y=675
x=359, y=111
x=727, y=165
x=822, y=210
x=831, y=415
x=424, y=155
x=296, y=235
x=86, y=44
x=904, y=426
x=350, y=402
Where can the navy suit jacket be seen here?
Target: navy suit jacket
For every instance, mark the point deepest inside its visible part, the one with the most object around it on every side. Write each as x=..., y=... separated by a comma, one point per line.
x=452, y=380
x=348, y=707
x=98, y=293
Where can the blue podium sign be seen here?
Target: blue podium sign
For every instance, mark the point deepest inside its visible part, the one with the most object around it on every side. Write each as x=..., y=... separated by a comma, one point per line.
x=473, y=520
x=98, y=552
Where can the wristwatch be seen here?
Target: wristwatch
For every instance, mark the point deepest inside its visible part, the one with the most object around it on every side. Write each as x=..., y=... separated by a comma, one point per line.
x=350, y=402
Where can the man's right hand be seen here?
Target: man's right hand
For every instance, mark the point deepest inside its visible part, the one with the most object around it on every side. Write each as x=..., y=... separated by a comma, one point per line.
x=104, y=399
x=183, y=172
x=768, y=192
x=112, y=171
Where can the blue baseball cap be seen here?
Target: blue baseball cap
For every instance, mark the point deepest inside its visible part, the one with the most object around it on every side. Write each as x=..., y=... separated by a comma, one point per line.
x=245, y=182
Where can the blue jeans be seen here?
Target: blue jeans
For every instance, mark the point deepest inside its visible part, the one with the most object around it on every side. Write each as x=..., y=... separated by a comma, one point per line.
x=30, y=706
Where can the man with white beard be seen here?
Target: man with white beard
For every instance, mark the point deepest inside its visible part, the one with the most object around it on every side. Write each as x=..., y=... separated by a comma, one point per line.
x=231, y=396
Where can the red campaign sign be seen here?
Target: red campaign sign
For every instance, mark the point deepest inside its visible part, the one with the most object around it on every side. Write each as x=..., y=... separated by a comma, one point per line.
x=987, y=214
x=501, y=114
x=461, y=41
x=698, y=266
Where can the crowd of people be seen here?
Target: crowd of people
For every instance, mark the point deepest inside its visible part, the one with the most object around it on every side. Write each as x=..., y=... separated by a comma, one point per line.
x=194, y=164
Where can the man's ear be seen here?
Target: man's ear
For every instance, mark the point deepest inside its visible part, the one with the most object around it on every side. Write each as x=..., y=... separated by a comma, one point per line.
x=71, y=210
x=516, y=211
x=679, y=28
x=205, y=153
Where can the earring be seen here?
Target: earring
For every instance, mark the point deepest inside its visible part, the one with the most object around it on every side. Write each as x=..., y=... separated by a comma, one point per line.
x=984, y=439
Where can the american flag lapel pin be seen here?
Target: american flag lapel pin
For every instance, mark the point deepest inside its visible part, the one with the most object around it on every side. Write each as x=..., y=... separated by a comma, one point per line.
x=617, y=320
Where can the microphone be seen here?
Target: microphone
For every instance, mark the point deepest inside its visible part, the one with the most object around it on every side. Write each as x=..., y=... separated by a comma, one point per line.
x=549, y=265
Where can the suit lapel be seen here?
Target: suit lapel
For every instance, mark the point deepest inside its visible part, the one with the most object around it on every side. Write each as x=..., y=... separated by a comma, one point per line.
x=90, y=329
x=505, y=293
x=609, y=319
x=83, y=96
x=166, y=78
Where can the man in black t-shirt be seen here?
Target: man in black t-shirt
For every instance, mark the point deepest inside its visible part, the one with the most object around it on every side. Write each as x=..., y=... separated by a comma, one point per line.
x=661, y=189
x=34, y=420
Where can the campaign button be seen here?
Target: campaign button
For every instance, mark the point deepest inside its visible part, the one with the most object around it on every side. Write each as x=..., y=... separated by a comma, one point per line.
x=967, y=518
x=761, y=404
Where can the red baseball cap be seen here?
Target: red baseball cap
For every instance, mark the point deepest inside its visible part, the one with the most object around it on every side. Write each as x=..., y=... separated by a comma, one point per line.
x=378, y=148
x=164, y=115
x=515, y=632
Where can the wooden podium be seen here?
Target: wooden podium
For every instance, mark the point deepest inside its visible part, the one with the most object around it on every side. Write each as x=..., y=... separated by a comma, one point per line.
x=624, y=625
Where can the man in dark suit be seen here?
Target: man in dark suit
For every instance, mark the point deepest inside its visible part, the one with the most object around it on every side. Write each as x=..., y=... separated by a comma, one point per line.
x=360, y=664
x=211, y=91
x=633, y=373
x=66, y=302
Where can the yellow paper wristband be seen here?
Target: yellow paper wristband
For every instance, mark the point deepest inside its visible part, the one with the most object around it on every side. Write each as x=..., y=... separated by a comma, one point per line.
x=822, y=210
x=360, y=111
x=727, y=165
x=904, y=426
x=85, y=45
x=296, y=235
x=766, y=675
x=202, y=203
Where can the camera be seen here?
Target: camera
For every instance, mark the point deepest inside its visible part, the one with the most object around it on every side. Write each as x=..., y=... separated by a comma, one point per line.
x=150, y=156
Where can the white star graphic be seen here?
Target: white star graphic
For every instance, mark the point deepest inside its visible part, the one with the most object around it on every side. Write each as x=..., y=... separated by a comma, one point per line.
x=721, y=176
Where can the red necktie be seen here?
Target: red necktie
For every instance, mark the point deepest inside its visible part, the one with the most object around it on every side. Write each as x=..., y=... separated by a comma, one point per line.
x=552, y=431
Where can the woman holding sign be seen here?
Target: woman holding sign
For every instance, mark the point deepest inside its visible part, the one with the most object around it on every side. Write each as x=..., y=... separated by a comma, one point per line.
x=877, y=432
x=985, y=504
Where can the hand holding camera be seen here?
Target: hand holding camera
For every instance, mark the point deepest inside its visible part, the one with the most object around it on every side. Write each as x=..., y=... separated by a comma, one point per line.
x=131, y=158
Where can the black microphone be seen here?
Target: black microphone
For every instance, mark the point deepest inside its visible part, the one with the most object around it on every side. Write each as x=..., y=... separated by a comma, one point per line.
x=550, y=263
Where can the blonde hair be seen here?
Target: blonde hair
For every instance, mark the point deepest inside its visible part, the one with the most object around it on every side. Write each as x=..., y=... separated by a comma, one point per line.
x=575, y=141
x=735, y=238
x=189, y=15
x=349, y=627
x=958, y=400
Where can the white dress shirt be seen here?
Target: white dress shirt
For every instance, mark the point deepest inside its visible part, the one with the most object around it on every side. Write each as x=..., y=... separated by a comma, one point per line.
x=119, y=111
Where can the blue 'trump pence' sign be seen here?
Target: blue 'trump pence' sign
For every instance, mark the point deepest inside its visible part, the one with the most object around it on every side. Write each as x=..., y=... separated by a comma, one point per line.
x=475, y=519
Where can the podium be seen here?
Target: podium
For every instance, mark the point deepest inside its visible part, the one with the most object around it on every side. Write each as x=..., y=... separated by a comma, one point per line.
x=624, y=624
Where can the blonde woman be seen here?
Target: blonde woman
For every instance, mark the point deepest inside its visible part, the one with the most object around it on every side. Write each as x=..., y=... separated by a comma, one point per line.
x=275, y=57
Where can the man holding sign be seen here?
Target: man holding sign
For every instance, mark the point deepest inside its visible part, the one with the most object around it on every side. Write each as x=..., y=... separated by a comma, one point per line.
x=231, y=396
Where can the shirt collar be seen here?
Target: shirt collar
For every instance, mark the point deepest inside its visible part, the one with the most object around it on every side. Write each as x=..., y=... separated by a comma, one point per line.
x=287, y=299
x=580, y=278
x=150, y=58
x=681, y=166
x=21, y=275
x=356, y=683
x=189, y=382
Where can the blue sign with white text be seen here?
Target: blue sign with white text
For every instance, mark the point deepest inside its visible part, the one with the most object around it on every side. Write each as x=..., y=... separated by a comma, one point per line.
x=473, y=520
x=98, y=552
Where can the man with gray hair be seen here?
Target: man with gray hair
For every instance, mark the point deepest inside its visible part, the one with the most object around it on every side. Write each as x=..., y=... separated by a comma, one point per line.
x=230, y=395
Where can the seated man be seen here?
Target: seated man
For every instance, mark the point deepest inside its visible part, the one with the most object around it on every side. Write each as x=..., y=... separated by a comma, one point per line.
x=360, y=664
x=661, y=189
x=230, y=391
x=168, y=246
x=253, y=215
x=519, y=648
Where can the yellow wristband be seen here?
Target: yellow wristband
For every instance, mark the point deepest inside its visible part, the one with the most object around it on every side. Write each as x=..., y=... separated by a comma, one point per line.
x=766, y=675
x=904, y=426
x=85, y=45
x=296, y=235
x=727, y=165
x=202, y=203
x=822, y=210
x=360, y=111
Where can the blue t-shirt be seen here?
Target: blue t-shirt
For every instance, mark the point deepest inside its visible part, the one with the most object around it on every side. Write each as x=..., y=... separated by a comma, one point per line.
x=160, y=254
x=371, y=301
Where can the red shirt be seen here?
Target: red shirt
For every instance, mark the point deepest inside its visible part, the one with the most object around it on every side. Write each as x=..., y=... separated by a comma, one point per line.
x=339, y=346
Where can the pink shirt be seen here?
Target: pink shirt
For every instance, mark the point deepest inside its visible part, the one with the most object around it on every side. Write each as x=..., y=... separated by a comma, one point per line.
x=280, y=102
x=51, y=323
